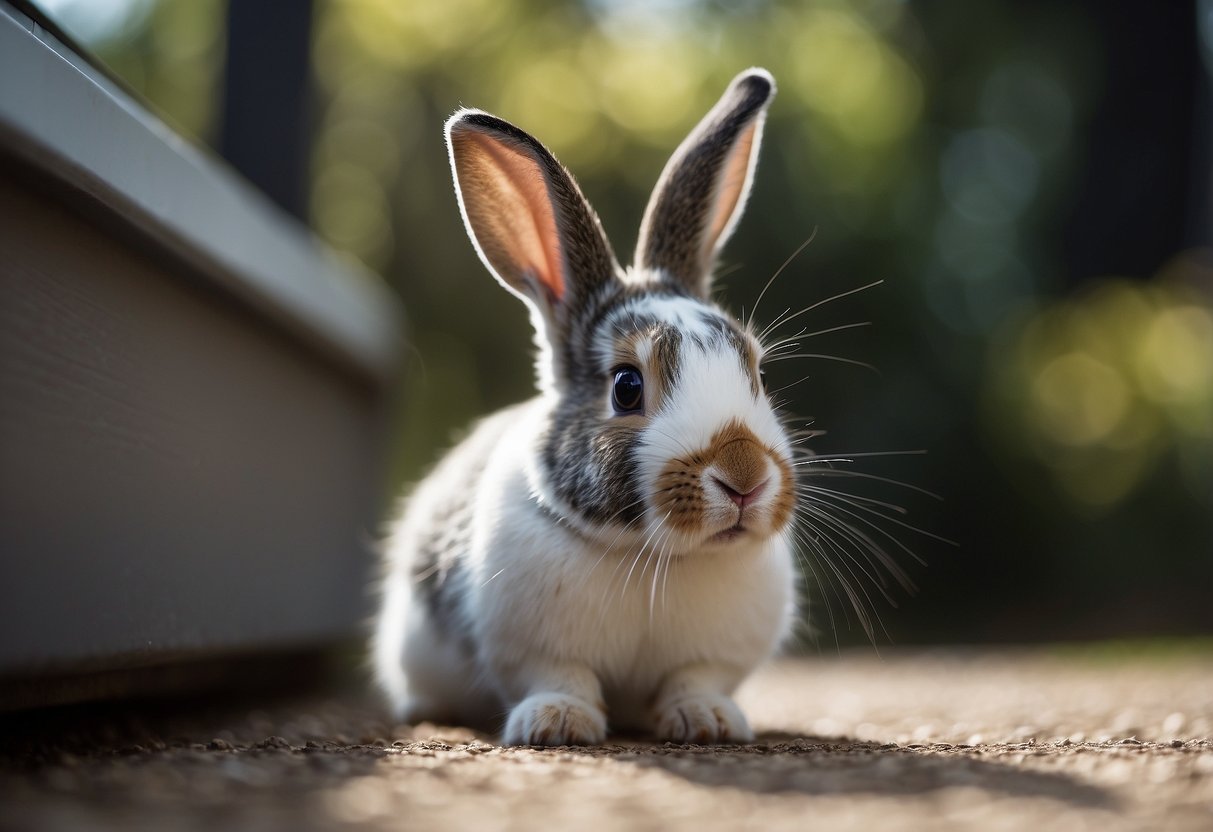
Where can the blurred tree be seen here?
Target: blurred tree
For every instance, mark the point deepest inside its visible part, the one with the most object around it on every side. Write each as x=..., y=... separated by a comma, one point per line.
x=1027, y=178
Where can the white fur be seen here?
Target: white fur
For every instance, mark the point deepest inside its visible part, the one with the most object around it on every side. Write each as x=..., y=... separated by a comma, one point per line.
x=548, y=605
x=713, y=389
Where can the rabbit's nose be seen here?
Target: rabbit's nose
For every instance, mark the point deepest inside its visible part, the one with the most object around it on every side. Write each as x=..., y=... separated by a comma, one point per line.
x=742, y=498
x=741, y=464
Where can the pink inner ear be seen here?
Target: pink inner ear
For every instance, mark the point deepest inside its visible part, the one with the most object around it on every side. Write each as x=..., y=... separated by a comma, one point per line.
x=506, y=199
x=729, y=188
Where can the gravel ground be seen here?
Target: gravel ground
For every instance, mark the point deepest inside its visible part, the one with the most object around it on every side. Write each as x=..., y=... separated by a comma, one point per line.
x=1042, y=739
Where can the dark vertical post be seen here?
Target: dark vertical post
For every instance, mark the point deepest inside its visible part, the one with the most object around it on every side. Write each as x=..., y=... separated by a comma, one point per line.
x=266, y=126
x=1136, y=191
x=1200, y=220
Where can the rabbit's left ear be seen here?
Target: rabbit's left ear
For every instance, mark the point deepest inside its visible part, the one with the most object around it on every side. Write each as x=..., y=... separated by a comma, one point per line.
x=528, y=220
x=702, y=191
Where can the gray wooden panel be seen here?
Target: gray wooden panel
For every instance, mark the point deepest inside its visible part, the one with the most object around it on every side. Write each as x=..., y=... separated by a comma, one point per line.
x=175, y=476
x=60, y=115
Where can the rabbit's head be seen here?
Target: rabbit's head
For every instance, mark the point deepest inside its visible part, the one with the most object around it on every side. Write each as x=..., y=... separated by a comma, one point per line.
x=660, y=425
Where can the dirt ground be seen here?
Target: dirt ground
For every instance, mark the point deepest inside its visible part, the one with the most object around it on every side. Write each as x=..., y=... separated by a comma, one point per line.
x=1067, y=739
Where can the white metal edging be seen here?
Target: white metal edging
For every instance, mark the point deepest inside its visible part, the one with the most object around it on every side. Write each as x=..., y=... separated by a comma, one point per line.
x=63, y=116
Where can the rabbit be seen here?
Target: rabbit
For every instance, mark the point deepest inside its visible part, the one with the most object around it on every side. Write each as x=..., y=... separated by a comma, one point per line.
x=617, y=551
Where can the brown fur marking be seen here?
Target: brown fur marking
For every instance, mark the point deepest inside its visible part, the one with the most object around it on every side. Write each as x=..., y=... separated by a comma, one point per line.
x=785, y=499
x=741, y=458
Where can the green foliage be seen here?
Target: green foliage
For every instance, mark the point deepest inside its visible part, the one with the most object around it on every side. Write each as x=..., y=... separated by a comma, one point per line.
x=935, y=146
x=1098, y=388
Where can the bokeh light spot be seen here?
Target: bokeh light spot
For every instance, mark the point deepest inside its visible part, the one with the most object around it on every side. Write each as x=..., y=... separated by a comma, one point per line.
x=988, y=175
x=1078, y=400
x=1176, y=355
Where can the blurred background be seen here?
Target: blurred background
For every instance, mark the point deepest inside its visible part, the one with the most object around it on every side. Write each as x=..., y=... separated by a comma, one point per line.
x=1032, y=181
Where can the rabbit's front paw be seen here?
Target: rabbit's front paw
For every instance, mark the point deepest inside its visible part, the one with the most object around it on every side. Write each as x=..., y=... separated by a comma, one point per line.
x=702, y=718
x=555, y=719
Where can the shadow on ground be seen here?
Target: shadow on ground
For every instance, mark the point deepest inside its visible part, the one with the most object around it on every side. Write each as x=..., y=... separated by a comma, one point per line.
x=839, y=765
x=149, y=756
x=1052, y=757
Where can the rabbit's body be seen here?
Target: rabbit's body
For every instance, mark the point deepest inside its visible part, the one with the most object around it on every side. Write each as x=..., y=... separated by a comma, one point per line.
x=540, y=587
x=621, y=544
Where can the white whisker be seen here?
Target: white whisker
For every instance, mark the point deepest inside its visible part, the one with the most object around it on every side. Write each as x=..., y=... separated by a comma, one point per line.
x=657, y=571
x=870, y=549
x=831, y=299
x=841, y=472
x=793, y=384
x=826, y=357
x=847, y=588
x=780, y=270
x=802, y=536
x=657, y=527
x=857, y=500
x=804, y=334
x=901, y=523
x=822, y=458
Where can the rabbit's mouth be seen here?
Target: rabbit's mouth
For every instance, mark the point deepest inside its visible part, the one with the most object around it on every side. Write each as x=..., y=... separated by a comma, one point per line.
x=730, y=534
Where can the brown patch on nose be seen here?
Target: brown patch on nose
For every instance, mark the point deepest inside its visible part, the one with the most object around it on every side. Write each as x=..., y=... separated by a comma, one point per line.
x=741, y=464
x=740, y=461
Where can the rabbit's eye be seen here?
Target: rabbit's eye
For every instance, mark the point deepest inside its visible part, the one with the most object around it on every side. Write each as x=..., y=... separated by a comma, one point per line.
x=627, y=394
x=762, y=376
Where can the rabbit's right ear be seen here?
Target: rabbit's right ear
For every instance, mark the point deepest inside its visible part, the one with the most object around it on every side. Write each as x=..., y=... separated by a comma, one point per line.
x=703, y=189
x=527, y=218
